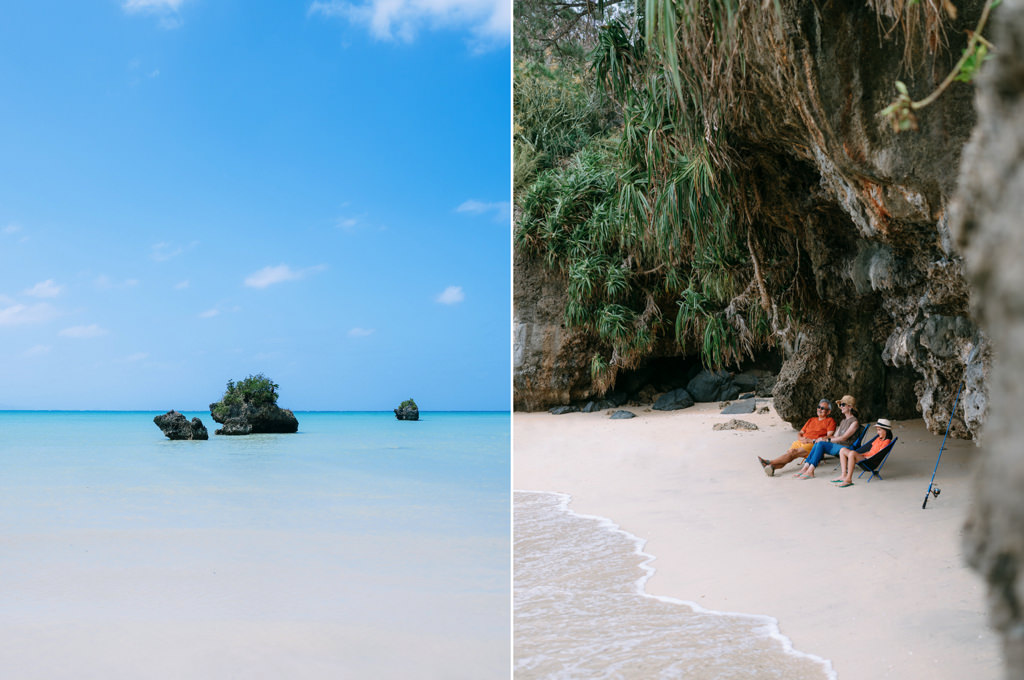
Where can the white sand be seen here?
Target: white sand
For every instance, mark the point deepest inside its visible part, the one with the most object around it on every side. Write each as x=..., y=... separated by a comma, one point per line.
x=861, y=576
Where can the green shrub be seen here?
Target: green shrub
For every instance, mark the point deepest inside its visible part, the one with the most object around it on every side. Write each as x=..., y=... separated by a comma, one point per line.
x=257, y=390
x=408, y=403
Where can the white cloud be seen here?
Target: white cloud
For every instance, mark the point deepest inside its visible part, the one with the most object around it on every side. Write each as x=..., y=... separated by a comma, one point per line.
x=151, y=5
x=83, y=332
x=488, y=21
x=16, y=315
x=209, y=313
x=360, y=332
x=452, y=295
x=37, y=351
x=166, y=10
x=12, y=229
x=104, y=282
x=349, y=223
x=501, y=209
x=44, y=289
x=164, y=251
x=268, y=276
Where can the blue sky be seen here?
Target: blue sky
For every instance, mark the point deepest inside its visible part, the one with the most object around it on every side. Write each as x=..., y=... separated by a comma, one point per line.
x=193, y=191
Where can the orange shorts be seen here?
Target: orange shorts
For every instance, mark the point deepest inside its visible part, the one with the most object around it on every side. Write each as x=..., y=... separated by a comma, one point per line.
x=802, y=446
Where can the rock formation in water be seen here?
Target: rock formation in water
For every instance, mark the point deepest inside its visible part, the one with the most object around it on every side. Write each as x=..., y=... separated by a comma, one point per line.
x=987, y=220
x=175, y=426
x=865, y=209
x=240, y=419
x=407, y=410
x=250, y=407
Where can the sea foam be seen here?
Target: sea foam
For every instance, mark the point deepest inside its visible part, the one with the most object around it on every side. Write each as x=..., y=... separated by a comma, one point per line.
x=581, y=610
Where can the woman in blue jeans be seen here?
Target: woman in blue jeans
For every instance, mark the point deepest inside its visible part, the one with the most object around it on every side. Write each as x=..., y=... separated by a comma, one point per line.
x=842, y=438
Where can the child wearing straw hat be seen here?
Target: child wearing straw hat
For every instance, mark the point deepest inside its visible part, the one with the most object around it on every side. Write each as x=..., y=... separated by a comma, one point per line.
x=848, y=458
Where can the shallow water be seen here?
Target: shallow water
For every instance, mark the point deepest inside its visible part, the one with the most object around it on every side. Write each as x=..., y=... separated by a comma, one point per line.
x=580, y=611
x=360, y=546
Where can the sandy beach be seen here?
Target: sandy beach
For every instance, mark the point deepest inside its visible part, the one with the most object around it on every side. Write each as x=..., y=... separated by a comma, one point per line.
x=860, y=576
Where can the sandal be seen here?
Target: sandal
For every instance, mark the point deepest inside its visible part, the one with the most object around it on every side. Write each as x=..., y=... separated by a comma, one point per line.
x=845, y=484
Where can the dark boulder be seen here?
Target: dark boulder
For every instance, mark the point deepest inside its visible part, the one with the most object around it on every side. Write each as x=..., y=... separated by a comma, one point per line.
x=562, y=410
x=239, y=419
x=623, y=415
x=713, y=386
x=175, y=426
x=674, y=400
x=600, y=405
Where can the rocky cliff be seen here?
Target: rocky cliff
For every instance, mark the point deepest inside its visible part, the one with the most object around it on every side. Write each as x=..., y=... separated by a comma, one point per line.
x=862, y=210
x=987, y=221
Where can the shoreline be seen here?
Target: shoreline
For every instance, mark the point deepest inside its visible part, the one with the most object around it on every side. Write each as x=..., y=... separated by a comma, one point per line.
x=830, y=561
x=763, y=624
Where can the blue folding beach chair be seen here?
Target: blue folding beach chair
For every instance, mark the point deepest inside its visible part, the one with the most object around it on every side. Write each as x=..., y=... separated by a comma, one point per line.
x=875, y=462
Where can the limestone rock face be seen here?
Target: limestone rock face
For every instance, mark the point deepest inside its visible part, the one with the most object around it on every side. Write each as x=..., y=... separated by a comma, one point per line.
x=867, y=209
x=175, y=426
x=551, y=364
x=240, y=419
x=987, y=222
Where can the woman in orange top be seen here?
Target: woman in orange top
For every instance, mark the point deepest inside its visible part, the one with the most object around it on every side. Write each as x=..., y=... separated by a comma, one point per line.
x=848, y=458
x=815, y=428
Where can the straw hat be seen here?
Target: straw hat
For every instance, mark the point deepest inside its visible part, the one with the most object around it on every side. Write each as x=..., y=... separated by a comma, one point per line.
x=847, y=399
x=885, y=424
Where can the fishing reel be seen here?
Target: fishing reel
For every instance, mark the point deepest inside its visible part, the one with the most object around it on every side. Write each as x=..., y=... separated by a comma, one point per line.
x=936, y=491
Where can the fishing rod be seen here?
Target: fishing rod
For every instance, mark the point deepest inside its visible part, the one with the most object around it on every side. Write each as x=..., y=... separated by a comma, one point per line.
x=932, y=489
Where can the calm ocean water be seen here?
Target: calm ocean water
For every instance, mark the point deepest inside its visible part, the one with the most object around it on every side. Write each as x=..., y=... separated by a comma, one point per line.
x=580, y=611
x=360, y=546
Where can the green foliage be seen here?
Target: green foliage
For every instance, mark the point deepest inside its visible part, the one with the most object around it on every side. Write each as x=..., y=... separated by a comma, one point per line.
x=555, y=115
x=901, y=113
x=641, y=220
x=408, y=403
x=256, y=390
x=974, y=56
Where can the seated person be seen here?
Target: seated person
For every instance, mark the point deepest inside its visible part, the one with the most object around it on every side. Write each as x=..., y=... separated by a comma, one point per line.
x=822, y=425
x=848, y=458
x=832, y=445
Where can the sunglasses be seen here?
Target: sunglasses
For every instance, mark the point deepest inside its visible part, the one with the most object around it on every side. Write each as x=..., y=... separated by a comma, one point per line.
x=823, y=408
x=841, y=404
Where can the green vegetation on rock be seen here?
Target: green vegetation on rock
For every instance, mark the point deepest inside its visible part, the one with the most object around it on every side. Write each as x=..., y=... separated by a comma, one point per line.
x=256, y=390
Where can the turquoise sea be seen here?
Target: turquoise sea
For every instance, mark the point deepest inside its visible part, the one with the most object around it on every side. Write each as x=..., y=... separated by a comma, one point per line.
x=359, y=547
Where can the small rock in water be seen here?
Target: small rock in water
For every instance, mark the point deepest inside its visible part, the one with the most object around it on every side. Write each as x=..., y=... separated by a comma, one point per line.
x=176, y=426
x=735, y=424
